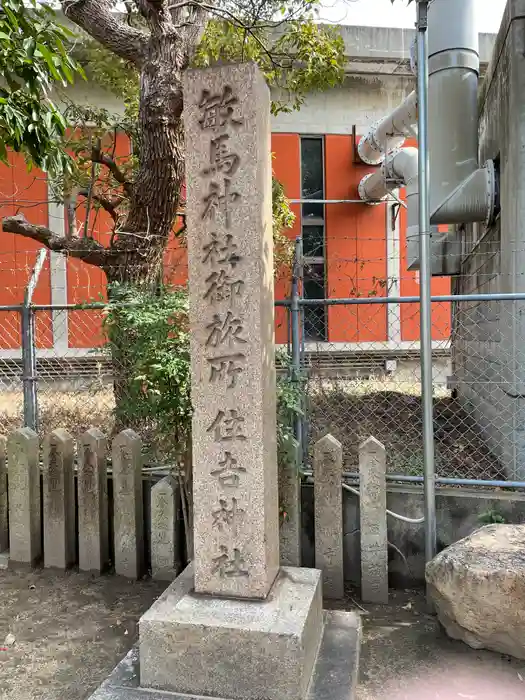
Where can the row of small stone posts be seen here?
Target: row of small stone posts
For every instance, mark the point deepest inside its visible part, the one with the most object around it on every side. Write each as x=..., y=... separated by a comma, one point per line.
x=24, y=497
x=329, y=532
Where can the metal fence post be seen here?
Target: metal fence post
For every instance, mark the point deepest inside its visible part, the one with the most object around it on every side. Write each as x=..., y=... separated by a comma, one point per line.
x=425, y=284
x=29, y=367
x=296, y=340
x=29, y=377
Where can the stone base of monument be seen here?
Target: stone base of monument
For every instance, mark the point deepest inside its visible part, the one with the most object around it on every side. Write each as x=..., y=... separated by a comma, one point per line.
x=204, y=645
x=283, y=648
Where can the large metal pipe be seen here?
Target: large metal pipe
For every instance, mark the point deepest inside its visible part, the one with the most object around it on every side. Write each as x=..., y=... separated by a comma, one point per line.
x=460, y=191
x=399, y=169
x=389, y=133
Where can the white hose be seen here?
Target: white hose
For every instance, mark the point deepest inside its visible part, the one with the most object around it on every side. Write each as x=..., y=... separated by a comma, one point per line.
x=403, y=518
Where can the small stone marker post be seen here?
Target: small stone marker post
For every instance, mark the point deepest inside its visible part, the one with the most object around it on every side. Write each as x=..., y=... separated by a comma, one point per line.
x=165, y=558
x=328, y=496
x=372, y=509
x=290, y=502
x=230, y=248
x=127, y=504
x=4, y=532
x=59, y=500
x=93, y=536
x=24, y=497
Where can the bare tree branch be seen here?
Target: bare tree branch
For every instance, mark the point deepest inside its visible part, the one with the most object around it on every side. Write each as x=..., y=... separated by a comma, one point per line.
x=97, y=156
x=97, y=18
x=86, y=249
x=109, y=205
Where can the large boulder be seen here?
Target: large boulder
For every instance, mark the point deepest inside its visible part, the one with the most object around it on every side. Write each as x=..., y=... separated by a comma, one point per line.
x=478, y=588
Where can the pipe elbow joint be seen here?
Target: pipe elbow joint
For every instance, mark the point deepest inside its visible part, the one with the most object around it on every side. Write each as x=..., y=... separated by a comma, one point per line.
x=473, y=200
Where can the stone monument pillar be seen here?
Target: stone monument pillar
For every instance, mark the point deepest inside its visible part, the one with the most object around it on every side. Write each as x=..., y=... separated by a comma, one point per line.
x=228, y=166
x=232, y=625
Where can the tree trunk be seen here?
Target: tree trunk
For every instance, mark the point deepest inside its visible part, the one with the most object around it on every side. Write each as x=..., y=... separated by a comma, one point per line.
x=142, y=239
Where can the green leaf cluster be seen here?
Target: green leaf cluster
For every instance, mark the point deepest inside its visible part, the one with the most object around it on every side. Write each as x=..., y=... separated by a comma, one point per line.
x=34, y=57
x=148, y=342
x=297, y=58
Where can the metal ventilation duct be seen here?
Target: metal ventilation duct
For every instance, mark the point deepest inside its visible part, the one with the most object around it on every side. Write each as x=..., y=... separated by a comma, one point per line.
x=460, y=190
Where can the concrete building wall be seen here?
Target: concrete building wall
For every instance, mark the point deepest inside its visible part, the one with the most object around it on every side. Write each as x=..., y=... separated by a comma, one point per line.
x=489, y=337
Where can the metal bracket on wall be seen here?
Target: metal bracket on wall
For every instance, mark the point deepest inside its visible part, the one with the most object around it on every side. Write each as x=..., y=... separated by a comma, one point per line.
x=356, y=158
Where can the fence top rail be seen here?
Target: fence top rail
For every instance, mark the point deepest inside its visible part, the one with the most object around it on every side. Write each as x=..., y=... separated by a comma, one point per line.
x=343, y=301
x=447, y=298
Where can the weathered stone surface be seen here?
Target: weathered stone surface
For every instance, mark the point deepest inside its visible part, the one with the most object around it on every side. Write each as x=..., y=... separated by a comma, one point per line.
x=93, y=535
x=290, y=526
x=25, y=531
x=372, y=510
x=165, y=555
x=128, y=522
x=478, y=588
x=230, y=249
x=328, y=498
x=4, y=532
x=228, y=648
x=59, y=500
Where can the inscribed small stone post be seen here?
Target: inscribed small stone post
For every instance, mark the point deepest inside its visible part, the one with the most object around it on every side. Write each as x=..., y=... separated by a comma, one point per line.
x=4, y=532
x=93, y=535
x=165, y=559
x=128, y=523
x=372, y=509
x=328, y=496
x=59, y=500
x=23, y=471
x=230, y=249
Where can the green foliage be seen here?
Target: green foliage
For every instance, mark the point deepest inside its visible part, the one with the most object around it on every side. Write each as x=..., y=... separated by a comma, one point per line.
x=148, y=342
x=491, y=517
x=305, y=57
x=34, y=56
x=283, y=218
x=290, y=391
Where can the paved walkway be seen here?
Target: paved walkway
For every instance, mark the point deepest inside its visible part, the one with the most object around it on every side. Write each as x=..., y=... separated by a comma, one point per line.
x=406, y=656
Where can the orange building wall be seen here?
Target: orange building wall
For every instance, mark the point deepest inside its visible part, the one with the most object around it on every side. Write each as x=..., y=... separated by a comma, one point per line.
x=286, y=150
x=356, y=250
x=22, y=190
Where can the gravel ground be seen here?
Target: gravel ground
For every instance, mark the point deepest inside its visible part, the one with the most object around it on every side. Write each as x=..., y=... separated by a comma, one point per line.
x=61, y=634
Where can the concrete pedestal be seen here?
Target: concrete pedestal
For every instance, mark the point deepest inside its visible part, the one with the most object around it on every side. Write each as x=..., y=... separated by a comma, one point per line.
x=240, y=649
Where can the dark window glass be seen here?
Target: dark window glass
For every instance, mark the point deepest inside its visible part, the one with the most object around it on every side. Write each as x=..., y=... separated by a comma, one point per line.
x=312, y=168
x=314, y=288
x=314, y=281
x=314, y=323
x=312, y=187
x=313, y=211
x=313, y=241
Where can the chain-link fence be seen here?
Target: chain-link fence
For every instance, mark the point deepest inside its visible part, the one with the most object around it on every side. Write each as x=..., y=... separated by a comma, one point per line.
x=357, y=358
x=92, y=363
x=360, y=362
